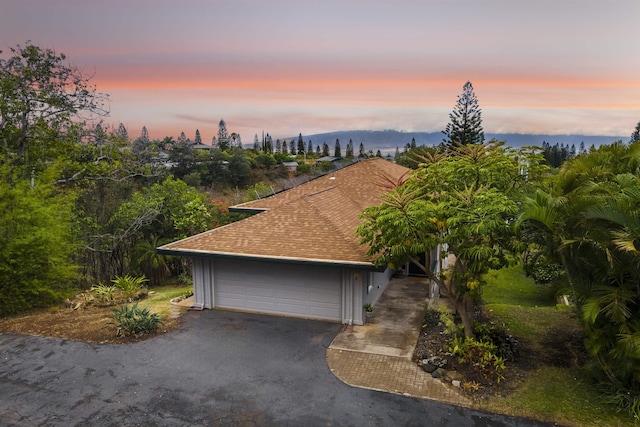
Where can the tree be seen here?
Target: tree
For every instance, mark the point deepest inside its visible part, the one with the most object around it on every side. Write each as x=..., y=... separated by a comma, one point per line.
x=41, y=93
x=310, y=148
x=325, y=149
x=38, y=245
x=635, y=135
x=256, y=143
x=413, y=144
x=223, y=135
x=349, y=151
x=587, y=220
x=122, y=133
x=300, y=144
x=465, y=126
x=292, y=148
x=285, y=150
x=337, y=152
x=182, y=139
x=361, y=153
x=464, y=199
x=198, y=138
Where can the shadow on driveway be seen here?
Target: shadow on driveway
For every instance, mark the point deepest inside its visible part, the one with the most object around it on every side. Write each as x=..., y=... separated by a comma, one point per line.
x=220, y=368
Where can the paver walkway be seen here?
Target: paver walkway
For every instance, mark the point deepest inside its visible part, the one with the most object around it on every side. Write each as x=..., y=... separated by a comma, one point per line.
x=378, y=355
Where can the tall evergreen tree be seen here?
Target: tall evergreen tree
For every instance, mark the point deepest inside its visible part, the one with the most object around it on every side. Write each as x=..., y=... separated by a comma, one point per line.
x=292, y=148
x=465, y=126
x=310, y=147
x=337, y=152
x=198, y=139
x=361, y=152
x=635, y=136
x=256, y=143
x=223, y=135
x=325, y=149
x=122, y=132
x=300, y=144
x=349, y=151
x=285, y=148
x=413, y=143
x=182, y=139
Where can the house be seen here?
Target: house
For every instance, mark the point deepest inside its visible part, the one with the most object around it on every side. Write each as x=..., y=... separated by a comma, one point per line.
x=291, y=166
x=298, y=254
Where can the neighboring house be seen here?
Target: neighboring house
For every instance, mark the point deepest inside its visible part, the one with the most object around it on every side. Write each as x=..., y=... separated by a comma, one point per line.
x=298, y=255
x=292, y=166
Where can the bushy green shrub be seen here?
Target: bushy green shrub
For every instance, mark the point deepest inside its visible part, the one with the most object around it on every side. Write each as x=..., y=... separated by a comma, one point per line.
x=104, y=293
x=129, y=285
x=135, y=320
x=542, y=270
x=481, y=355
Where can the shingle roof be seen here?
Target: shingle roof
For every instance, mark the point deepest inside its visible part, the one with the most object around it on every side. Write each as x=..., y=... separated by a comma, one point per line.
x=313, y=222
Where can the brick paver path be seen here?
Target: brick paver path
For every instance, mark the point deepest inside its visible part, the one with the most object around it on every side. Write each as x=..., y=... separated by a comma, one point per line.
x=390, y=374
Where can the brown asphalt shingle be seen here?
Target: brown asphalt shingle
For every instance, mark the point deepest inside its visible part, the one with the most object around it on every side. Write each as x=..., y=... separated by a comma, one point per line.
x=315, y=221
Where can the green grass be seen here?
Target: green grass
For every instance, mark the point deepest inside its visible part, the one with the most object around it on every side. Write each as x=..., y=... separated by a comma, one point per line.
x=158, y=301
x=561, y=395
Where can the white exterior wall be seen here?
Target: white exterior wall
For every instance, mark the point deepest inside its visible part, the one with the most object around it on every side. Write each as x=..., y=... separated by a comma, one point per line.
x=287, y=289
x=375, y=285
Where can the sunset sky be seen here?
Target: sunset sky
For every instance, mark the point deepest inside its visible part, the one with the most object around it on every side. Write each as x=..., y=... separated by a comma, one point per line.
x=296, y=66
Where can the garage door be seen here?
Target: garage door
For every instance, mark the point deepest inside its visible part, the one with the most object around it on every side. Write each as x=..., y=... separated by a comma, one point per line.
x=308, y=292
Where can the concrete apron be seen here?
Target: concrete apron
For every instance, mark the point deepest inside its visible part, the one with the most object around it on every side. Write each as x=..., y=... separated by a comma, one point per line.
x=395, y=327
x=378, y=355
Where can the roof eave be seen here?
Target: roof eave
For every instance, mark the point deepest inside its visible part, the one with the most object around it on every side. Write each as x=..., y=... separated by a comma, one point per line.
x=352, y=265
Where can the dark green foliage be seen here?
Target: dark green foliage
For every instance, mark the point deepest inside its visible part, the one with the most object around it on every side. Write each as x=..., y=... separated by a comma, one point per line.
x=135, y=320
x=36, y=247
x=337, y=152
x=635, y=135
x=543, y=270
x=465, y=126
x=507, y=346
x=587, y=218
x=557, y=154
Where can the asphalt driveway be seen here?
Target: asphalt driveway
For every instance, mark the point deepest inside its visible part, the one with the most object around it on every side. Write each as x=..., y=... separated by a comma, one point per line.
x=220, y=368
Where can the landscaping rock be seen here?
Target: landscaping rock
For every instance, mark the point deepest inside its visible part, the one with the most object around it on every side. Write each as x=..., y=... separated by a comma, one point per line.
x=439, y=373
x=455, y=383
x=429, y=368
x=453, y=376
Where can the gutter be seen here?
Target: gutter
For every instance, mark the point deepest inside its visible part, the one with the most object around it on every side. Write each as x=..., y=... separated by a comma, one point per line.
x=352, y=265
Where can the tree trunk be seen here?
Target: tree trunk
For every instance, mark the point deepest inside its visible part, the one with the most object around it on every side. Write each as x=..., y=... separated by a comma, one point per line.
x=465, y=309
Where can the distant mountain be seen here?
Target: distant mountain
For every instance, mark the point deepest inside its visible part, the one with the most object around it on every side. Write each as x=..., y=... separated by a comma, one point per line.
x=387, y=140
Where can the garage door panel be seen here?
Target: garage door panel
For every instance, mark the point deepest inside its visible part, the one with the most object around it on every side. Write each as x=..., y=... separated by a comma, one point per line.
x=271, y=288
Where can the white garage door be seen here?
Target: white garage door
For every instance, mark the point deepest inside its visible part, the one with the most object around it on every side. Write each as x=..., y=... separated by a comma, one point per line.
x=309, y=292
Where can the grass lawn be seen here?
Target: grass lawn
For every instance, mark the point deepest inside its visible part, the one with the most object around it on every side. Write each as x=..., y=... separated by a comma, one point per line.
x=561, y=395
x=159, y=297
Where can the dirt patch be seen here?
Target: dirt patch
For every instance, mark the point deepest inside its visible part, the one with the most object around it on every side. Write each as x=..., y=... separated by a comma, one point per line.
x=91, y=324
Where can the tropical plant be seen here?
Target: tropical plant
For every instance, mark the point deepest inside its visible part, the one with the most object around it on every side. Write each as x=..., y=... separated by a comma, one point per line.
x=105, y=293
x=149, y=261
x=465, y=200
x=134, y=320
x=130, y=286
x=588, y=220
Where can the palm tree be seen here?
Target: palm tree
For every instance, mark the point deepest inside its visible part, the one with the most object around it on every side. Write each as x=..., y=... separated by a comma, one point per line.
x=152, y=264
